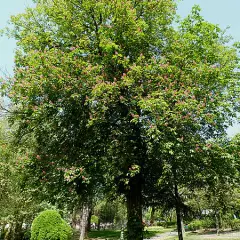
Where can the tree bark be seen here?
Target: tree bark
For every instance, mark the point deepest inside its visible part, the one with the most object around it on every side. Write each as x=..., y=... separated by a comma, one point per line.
x=217, y=222
x=9, y=232
x=84, y=221
x=152, y=216
x=220, y=220
x=74, y=218
x=18, y=231
x=134, y=209
x=98, y=224
x=89, y=220
x=179, y=215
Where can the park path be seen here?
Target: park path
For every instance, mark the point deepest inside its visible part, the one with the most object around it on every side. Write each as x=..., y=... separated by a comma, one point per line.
x=226, y=235
x=222, y=236
x=163, y=236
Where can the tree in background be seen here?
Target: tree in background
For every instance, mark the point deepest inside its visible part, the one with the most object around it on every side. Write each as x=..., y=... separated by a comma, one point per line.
x=18, y=205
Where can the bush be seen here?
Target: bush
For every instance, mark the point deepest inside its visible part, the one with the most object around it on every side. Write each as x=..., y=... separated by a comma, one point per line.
x=201, y=224
x=235, y=224
x=27, y=234
x=49, y=225
x=166, y=224
x=94, y=219
x=170, y=224
x=195, y=225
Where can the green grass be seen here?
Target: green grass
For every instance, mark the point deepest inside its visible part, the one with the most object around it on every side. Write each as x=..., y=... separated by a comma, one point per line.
x=115, y=234
x=200, y=238
x=153, y=231
x=195, y=236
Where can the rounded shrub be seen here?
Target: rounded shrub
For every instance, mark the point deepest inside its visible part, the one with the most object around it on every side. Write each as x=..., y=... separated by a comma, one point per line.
x=201, y=224
x=49, y=225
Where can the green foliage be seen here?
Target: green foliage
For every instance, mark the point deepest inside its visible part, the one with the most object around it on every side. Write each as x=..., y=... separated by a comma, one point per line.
x=106, y=211
x=209, y=223
x=113, y=211
x=201, y=224
x=168, y=224
x=18, y=203
x=235, y=224
x=195, y=225
x=50, y=225
x=94, y=219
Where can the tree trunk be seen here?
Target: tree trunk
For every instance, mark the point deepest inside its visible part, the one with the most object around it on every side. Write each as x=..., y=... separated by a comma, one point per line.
x=183, y=229
x=74, y=218
x=98, y=224
x=84, y=221
x=217, y=222
x=9, y=232
x=152, y=216
x=89, y=220
x=220, y=220
x=170, y=216
x=134, y=209
x=18, y=231
x=179, y=215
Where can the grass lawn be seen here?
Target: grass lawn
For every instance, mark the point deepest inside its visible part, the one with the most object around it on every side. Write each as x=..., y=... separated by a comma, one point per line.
x=153, y=231
x=209, y=236
x=115, y=234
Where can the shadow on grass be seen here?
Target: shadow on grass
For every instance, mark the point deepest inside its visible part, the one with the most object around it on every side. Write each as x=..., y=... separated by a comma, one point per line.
x=148, y=234
x=109, y=234
x=205, y=232
x=115, y=234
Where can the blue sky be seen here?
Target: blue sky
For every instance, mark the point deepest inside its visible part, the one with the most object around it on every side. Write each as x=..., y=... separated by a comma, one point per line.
x=8, y=8
x=222, y=12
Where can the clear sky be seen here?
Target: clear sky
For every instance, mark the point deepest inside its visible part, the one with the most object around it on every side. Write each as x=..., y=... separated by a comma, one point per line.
x=222, y=12
x=8, y=8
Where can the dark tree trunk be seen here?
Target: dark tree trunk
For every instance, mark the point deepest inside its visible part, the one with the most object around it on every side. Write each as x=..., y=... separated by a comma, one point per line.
x=220, y=220
x=18, y=231
x=217, y=221
x=179, y=215
x=89, y=220
x=134, y=209
x=170, y=217
x=152, y=216
x=98, y=224
x=9, y=232
x=74, y=218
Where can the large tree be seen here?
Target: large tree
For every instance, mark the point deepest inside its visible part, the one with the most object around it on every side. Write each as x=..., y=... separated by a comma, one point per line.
x=110, y=91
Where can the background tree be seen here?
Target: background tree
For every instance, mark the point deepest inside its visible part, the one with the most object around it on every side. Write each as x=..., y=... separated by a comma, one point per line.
x=198, y=105
x=18, y=205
